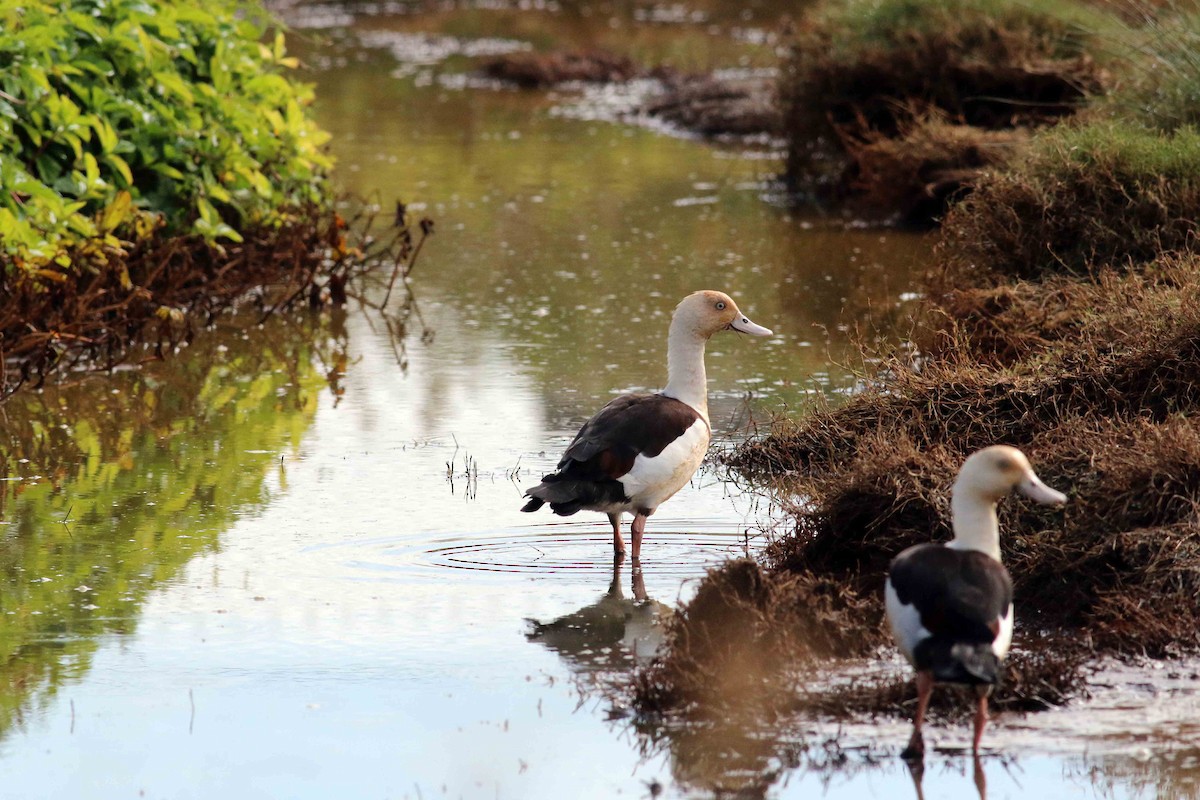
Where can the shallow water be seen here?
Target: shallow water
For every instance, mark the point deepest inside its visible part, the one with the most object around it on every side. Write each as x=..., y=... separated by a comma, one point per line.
x=290, y=561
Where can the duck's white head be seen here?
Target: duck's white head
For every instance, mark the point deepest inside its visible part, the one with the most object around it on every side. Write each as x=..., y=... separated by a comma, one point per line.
x=704, y=313
x=985, y=479
x=993, y=472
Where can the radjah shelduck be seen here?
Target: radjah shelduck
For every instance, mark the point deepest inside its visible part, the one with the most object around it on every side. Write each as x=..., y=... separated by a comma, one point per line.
x=950, y=606
x=641, y=449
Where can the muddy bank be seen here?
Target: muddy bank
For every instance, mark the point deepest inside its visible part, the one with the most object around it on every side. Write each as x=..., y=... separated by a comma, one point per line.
x=544, y=70
x=155, y=292
x=861, y=80
x=714, y=105
x=708, y=104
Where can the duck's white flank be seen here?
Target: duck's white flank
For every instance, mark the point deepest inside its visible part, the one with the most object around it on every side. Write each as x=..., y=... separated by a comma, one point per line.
x=905, y=622
x=653, y=480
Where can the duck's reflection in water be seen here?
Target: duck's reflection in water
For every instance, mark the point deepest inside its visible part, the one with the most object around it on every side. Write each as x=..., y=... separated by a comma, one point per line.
x=615, y=632
x=916, y=768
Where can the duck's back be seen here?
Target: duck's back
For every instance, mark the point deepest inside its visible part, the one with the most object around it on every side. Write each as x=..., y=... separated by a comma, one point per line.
x=950, y=611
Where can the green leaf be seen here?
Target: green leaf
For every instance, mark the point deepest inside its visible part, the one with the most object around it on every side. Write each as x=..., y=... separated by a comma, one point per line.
x=116, y=212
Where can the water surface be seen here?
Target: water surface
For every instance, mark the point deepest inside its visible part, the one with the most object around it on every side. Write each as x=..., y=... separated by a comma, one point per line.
x=289, y=562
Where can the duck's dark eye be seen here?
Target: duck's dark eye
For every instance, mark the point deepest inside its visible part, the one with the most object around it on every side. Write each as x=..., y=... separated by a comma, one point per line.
x=720, y=305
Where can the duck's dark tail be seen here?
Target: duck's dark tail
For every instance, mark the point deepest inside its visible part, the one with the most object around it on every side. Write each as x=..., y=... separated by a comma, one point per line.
x=568, y=495
x=961, y=662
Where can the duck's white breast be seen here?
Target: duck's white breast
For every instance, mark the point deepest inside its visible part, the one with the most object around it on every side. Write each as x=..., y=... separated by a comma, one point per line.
x=1004, y=637
x=905, y=622
x=654, y=479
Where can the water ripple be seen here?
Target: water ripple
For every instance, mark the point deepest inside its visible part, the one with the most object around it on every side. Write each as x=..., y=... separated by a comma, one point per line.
x=544, y=551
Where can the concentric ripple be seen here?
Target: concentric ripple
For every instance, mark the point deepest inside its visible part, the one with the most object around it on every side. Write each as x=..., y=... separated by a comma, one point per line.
x=545, y=551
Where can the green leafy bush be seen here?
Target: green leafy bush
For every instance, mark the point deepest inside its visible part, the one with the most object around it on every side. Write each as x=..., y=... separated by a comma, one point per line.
x=145, y=112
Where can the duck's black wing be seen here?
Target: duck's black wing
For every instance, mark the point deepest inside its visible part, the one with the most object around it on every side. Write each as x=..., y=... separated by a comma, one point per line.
x=606, y=448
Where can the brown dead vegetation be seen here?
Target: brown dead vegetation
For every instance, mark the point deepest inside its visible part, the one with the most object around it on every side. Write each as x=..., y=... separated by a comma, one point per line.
x=976, y=71
x=144, y=298
x=929, y=162
x=1006, y=323
x=1085, y=198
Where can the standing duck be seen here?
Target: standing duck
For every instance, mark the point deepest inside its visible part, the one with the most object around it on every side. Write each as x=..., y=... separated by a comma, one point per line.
x=640, y=449
x=950, y=606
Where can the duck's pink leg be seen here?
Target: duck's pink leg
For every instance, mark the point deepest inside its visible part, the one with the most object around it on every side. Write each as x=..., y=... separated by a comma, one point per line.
x=916, y=744
x=637, y=529
x=981, y=718
x=618, y=542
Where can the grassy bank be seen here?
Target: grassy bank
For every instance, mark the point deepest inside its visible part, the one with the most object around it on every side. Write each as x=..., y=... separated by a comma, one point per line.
x=157, y=164
x=867, y=73
x=1061, y=316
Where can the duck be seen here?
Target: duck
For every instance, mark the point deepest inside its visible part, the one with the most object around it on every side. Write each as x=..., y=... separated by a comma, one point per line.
x=950, y=606
x=640, y=449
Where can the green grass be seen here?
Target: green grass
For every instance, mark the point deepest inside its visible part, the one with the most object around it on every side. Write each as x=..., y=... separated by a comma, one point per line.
x=1059, y=28
x=1105, y=193
x=1124, y=149
x=1161, y=86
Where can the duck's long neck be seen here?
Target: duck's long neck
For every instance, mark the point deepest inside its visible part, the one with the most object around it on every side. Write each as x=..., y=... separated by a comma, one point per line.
x=686, y=379
x=974, y=521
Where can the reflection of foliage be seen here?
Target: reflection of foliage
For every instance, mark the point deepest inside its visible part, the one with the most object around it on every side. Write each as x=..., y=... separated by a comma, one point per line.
x=114, y=485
